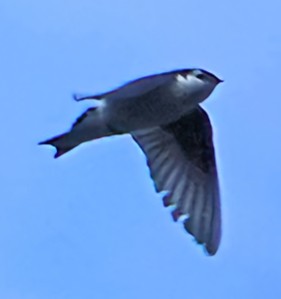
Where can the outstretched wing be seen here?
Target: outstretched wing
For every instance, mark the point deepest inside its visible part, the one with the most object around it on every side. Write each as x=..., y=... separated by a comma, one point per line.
x=134, y=88
x=182, y=162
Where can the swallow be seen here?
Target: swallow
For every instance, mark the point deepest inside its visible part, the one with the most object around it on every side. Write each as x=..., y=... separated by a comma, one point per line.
x=163, y=115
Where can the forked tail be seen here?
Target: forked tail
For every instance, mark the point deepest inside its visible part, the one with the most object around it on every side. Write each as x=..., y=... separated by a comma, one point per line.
x=61, y=144
x=89, y=126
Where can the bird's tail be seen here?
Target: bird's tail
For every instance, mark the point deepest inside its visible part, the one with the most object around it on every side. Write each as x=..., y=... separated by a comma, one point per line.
x=89, y=126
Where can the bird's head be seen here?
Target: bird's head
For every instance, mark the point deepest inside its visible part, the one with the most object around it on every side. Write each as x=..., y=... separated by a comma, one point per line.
x=198, y=82
x=205, y=76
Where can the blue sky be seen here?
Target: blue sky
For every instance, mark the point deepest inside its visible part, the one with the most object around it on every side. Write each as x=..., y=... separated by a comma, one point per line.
x=89, y=225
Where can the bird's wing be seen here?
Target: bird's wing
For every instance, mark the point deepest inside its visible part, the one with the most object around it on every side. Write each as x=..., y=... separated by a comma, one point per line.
x=181, y=160
x=132, y=89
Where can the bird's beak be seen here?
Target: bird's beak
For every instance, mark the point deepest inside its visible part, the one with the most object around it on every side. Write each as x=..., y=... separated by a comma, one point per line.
x=220, y=81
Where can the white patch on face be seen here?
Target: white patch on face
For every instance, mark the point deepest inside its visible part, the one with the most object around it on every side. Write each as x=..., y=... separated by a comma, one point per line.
x=190, y=82
x=190, y=85
x=181, y=79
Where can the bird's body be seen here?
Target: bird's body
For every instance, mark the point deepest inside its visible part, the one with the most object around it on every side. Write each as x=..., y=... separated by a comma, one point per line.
x=163, y=115
x=157, y=106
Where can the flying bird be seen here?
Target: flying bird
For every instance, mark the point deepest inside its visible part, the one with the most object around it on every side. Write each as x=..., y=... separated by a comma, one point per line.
x=163, y=115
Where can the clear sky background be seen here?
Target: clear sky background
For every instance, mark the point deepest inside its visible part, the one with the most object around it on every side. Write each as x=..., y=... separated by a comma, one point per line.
x=89, y=225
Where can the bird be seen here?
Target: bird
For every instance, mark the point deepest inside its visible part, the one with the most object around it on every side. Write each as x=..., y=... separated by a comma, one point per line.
x=164, y=116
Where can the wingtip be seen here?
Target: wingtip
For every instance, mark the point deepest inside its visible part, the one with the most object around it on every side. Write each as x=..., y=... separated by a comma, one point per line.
x=210, y=244
x=209, y=251
x=76, y=97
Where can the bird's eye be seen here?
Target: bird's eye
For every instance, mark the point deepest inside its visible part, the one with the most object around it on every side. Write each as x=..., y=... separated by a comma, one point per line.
x=200, y=76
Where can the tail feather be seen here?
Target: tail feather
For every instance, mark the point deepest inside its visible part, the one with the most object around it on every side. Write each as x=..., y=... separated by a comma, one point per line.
x=59, y=142
x=89, y=126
